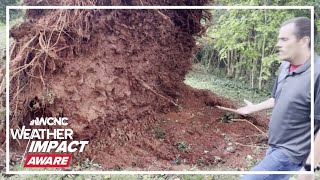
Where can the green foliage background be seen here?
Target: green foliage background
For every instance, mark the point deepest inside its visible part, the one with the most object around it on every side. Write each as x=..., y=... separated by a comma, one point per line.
x=13, y=13
x=240, y=44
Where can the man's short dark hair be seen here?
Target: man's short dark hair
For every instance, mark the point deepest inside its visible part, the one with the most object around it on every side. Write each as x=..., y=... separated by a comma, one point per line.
x=303, y=27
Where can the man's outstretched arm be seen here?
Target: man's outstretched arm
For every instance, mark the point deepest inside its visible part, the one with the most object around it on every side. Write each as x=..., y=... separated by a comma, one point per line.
x=252, y=108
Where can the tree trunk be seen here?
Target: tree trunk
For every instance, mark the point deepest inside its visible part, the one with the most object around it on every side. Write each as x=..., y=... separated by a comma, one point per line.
x=252, y=76
x=238, y=70
x=229, y=64
x=263, y=51
x=210, y=60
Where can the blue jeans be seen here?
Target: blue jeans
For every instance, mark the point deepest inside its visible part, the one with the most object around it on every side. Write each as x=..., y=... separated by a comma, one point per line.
x=275, y=160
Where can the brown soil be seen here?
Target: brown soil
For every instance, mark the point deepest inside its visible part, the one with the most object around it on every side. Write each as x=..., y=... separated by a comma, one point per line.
x=196, y=125
x=118, y=76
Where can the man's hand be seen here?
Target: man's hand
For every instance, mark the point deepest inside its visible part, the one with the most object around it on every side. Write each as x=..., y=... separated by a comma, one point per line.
x=248, y=109
x=251, y=108
x=316, y=159
x=305, y=176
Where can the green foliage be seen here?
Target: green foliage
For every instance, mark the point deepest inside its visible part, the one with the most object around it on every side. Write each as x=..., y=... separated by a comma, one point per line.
x=251, y=35
x=178, y=160
x=233, y=89
x=183, y=146
x=226, y=118
x=13, y=13
x=241, y=43
x=267, y=64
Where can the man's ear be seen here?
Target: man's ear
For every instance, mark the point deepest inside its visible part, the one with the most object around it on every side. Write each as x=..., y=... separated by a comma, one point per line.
x=306, y=40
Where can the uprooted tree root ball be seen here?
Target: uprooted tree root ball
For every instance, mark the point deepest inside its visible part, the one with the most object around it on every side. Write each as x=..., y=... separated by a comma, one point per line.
x=113, y=73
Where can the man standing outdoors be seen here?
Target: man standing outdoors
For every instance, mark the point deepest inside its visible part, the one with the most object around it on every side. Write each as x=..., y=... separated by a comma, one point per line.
x=289, y=126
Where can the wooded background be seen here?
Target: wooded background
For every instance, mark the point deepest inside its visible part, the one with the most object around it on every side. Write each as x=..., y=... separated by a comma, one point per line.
x=240, y=44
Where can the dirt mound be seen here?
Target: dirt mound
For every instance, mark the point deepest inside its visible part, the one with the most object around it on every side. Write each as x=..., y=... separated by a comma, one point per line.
x=113, y=73
x=100, y=65
x=179, y=140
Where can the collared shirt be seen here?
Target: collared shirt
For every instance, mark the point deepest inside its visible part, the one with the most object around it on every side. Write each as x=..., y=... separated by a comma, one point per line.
x=290, y=124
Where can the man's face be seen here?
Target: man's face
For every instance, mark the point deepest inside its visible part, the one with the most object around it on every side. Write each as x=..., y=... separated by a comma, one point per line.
x=289, y=45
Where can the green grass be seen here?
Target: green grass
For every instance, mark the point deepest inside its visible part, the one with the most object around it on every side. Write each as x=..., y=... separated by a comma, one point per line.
x=232, y=89
x=183, y=146
x=2, y=40
x=2, y=27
